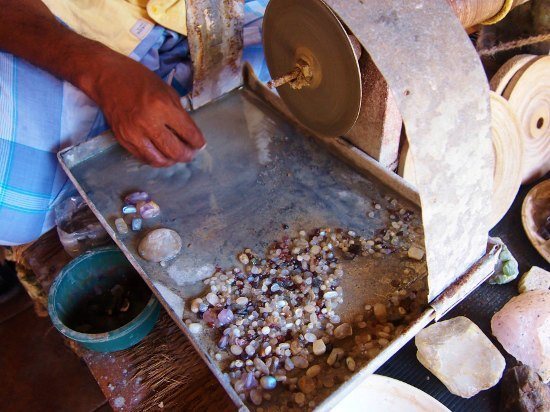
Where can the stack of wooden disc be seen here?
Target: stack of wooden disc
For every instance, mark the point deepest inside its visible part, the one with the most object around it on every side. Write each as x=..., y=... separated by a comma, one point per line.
x=507, y=148
x=525, y=82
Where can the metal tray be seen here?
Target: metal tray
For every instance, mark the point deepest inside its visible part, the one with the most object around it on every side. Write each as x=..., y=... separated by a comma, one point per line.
x=257, y=176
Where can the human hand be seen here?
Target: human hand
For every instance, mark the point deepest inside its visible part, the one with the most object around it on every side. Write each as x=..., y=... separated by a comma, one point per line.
x=145, y=114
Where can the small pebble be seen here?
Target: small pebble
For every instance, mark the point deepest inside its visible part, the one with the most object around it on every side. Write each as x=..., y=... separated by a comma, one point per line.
x=256, y=397
x=380, y=312
x=121, y=226
x=330, y=295
x=134, y=198
x=334, y=356
x=415, y=253
x=212, y=298
x=236, y=350
x=129, y=209
x=299, y=398
x=300, y=362
x=310, y=337
x=309, y=308
x=319, y=347
x=242, y=301
x=268, y=382
x=315, y=250
x=148, y=210
x=313, y=371
x=195, y=305
x=136, y=224
x=306, y=385
x=343, y=331
x=195, y=327
x=266, y=330
x=244, y=259
x=350, y=363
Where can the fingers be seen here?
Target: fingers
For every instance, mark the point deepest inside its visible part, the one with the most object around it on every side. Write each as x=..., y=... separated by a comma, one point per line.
x=172, y=147
x=183, y=127
x=144, y=150
x=153, y=156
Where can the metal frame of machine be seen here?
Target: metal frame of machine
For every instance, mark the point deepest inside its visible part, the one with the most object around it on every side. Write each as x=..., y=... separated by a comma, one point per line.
x=221, y=62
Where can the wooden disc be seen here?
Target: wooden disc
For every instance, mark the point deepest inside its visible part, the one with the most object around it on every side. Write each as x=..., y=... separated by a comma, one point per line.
x=528, y=94
x=534, y=212
x=507, y=149
x=503, y=76
x=309, y=31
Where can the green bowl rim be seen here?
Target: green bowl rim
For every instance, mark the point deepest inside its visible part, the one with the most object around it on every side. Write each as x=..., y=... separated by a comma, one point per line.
x=103, y=337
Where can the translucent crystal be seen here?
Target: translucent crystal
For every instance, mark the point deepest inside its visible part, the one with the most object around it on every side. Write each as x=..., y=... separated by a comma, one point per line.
x=460, y=355
x=160, y=245
x=522, y=326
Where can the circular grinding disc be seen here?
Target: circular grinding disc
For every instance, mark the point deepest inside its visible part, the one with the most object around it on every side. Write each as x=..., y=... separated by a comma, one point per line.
x=309, y=30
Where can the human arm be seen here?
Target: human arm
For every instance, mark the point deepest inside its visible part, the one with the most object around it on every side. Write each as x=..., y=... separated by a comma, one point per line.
x=145, y=113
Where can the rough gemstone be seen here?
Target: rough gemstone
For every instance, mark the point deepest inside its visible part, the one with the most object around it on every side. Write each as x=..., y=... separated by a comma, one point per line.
x=535, y=279
x=415, y=253
x=210, y=316
x=458, y=353
x=121, y=226
x=342, y=331
x=268, y=382
x=300, y=362
x=135, y=197
x=522, y=326
x=195, y=304
x=319, y=347
x=159, y=245
x=225, y=316
x=256, y=397
x=306, y=385
x=148, y=210
x=129, y=209
x=136, y=224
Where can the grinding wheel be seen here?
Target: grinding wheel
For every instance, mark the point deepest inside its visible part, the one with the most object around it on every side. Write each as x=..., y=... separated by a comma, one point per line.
x=307, y=31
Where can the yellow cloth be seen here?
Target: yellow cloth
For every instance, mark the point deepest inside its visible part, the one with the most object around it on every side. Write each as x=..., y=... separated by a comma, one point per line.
x=169, y=13
x=119, y=24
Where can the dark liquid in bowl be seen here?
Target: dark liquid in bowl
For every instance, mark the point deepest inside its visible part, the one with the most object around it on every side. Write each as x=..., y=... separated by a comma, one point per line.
x=107, y=308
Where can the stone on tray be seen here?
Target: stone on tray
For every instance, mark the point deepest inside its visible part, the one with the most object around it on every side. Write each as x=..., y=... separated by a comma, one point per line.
x=160, y=245
x=522, y=327
x=148, y=210
x=458, y=353
x=134, y=198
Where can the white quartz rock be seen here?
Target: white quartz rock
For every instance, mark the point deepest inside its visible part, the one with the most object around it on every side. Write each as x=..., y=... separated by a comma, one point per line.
x=160, y=245
x=522, y=326
x=460, y=355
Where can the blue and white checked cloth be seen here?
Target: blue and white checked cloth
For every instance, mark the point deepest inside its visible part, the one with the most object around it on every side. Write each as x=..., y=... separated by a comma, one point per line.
x=40, y=115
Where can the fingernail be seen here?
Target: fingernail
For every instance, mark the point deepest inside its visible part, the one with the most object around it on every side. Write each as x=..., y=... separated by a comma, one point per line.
x=203, y=147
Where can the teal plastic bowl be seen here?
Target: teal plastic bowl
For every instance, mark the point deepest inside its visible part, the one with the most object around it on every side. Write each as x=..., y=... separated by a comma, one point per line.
x=96, y=270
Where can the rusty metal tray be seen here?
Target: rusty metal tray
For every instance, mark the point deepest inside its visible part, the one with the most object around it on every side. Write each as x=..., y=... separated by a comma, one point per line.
x=258, y=180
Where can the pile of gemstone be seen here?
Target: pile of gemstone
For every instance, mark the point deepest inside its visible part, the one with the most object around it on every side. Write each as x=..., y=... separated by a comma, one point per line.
x=276, y=315
x=137, y=206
